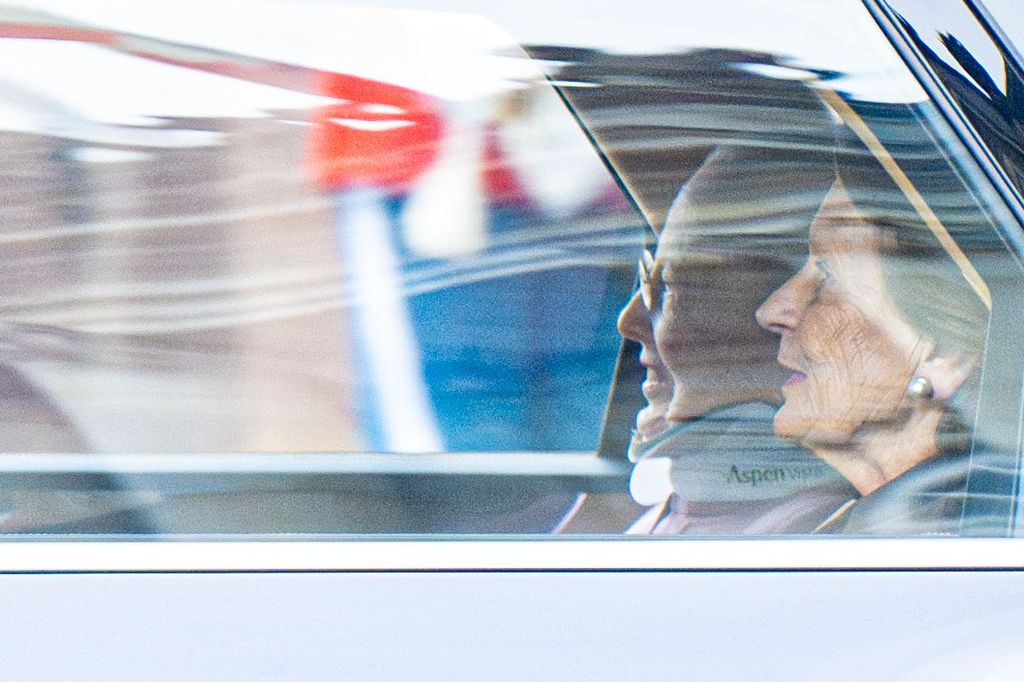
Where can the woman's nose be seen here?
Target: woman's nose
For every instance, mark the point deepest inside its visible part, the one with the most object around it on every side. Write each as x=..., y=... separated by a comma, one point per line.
x=635, y=322
x=782, y=311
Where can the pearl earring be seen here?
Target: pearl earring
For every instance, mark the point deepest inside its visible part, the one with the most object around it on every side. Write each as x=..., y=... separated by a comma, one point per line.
x=920, y=388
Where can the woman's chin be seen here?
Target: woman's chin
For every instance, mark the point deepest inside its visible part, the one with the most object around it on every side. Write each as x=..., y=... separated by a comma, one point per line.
x=650, y=424
x=812, y=432
x=788, y=427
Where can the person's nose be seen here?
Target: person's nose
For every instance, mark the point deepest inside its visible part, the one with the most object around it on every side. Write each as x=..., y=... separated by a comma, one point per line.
x=635, y=322
x=782, y=311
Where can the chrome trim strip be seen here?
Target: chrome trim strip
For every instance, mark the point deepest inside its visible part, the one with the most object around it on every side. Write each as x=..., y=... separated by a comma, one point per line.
x=548, y=464
x=947, y=106
x=991, y=26
x=512, y=555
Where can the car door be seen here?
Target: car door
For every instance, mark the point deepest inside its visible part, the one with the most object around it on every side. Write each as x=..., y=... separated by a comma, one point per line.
x=434, y=340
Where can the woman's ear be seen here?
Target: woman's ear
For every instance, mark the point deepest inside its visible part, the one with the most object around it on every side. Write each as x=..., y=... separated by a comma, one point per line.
x=947, y=372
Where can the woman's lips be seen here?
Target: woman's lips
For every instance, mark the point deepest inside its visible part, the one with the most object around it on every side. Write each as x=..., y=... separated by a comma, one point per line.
x=795, y=378
x=650, y=421
x=653, y=389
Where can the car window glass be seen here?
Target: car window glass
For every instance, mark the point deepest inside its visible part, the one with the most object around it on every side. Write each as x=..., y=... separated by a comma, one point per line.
x=426, y=269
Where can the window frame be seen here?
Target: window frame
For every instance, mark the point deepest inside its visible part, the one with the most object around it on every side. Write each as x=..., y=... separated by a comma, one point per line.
x=73, y=554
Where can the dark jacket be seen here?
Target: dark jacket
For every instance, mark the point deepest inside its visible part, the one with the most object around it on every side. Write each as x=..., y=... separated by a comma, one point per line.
x=957, y=494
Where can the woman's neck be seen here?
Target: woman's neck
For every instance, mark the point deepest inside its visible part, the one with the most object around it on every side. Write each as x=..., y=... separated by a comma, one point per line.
x=880, y=454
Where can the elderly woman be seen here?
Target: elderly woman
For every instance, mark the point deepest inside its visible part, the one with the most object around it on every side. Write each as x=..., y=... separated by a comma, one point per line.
x=881, y=333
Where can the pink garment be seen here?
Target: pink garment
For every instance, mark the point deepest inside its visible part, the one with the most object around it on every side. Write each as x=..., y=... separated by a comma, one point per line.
x=799, y=513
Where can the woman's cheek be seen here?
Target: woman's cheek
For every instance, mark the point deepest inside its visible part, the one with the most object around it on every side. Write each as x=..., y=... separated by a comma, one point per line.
x=826, y=333
x=671, y=331
x=838, y=388
x=886, y=370
x=857, y=373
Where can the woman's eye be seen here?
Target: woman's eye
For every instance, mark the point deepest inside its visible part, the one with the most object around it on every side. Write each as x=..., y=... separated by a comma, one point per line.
x=823, y=269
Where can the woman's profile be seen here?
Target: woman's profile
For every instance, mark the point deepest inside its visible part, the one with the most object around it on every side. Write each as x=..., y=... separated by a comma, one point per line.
x=882, y=333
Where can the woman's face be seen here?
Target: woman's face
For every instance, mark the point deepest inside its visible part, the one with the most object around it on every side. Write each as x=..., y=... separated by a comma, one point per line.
x=848, y=351
x=636, y=324
x=700, y=344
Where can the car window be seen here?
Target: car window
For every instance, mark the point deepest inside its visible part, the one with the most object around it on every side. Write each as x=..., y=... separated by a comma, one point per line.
x=415, y=269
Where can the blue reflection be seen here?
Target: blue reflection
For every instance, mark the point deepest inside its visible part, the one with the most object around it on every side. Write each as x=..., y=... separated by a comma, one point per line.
x=509, y=348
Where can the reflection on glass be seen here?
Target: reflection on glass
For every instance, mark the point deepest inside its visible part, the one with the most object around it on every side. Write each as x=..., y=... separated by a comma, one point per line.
x=882, y=329
x=346, y=279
